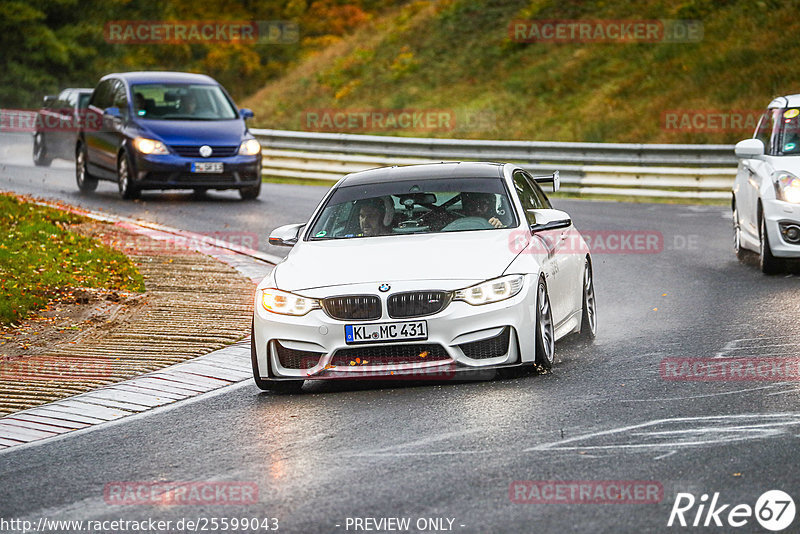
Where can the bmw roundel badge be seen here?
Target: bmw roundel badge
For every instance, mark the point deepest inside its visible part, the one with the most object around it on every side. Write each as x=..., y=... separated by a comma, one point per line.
x=383, y=288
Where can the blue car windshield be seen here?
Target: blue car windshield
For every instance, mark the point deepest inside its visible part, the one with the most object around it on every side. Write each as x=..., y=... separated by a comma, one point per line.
x=161, y=101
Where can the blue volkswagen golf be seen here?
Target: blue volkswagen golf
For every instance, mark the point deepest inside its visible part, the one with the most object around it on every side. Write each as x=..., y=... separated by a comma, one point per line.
x=166, y=130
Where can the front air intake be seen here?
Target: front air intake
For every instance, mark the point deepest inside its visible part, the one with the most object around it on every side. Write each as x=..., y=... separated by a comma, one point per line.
x=296, y=359
x=488, y=348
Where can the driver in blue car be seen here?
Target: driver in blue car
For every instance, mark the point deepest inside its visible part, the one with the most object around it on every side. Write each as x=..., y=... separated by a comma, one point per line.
x=483, y=205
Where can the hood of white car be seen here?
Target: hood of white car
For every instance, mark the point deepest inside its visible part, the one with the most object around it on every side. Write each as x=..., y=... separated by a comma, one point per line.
x=786, y=163
x=471, y=255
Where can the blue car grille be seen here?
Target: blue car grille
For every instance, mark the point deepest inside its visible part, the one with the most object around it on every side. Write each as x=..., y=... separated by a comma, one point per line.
x=193, y=151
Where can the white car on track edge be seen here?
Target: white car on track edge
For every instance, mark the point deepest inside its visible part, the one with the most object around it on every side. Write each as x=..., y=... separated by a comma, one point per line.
x=766, y=192
x=423, y=271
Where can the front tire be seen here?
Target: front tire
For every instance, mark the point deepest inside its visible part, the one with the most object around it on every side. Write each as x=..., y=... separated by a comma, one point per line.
x=86, y=182
x=250, y=192
x=589, y=315
x=285, y=387
x=769, y=264
x=40, y=158
x=127, y=189
x=545, y=336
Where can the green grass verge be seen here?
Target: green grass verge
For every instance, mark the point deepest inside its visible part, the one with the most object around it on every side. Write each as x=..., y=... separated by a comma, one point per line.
x=41, y=259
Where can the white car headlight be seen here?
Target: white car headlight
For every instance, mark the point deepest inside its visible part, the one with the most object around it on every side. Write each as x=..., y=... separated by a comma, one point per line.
x=251, y=147
x=150, y=146
x=787, y=186
x=490, y=291
x=277, y=301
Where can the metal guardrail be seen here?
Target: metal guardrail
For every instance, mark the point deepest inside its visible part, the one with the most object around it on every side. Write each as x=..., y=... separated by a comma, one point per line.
x=676, y=171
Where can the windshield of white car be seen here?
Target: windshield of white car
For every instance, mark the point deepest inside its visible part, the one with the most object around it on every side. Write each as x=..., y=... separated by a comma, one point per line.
x=790, y=132
x=161, y=101
x=414, y=207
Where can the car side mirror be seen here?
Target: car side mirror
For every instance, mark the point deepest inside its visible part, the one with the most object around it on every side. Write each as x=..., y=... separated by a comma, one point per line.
x=749, y=148
x=285, y=236
x=549, y=219
x=112, y=112
x=49, y=99
x=246, y=113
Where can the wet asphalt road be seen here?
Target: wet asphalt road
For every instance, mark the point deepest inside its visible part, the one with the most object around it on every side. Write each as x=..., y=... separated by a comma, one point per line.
x=453, y=450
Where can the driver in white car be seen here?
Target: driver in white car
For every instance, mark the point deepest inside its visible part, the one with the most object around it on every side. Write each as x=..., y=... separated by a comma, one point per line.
x=481, y=205
x=375, y=216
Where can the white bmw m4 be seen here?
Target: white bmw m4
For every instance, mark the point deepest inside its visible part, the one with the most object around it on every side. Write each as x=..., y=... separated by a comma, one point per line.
x=424, y=271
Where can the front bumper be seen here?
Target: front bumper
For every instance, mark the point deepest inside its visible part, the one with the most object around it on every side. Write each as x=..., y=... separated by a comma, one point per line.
x=461, y=338
x=174, y=172
x=777, y=215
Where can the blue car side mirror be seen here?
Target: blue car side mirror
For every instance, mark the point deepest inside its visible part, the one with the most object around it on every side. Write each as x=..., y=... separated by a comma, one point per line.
x=112, y=112
x=246, y=113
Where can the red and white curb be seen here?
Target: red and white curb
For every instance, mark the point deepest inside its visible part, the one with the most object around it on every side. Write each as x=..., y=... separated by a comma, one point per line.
x=201, y=375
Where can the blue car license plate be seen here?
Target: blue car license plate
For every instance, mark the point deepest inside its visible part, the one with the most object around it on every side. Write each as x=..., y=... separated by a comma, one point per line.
x=214, y=167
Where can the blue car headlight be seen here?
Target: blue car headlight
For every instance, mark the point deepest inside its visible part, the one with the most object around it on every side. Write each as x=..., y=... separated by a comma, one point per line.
x=250, y=147
x=150, y=146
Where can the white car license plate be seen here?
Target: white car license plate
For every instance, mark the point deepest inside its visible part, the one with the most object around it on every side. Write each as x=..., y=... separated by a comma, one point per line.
x=207, y=166
x=375, y=333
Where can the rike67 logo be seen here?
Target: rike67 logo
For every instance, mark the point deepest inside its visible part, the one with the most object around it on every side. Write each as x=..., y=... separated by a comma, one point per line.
x=774, y=510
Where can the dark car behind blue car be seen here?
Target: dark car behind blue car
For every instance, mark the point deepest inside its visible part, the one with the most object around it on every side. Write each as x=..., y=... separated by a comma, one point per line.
x=166, y=130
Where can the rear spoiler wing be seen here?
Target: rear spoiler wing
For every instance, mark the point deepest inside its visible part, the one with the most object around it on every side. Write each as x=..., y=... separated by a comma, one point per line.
x=554, y=178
